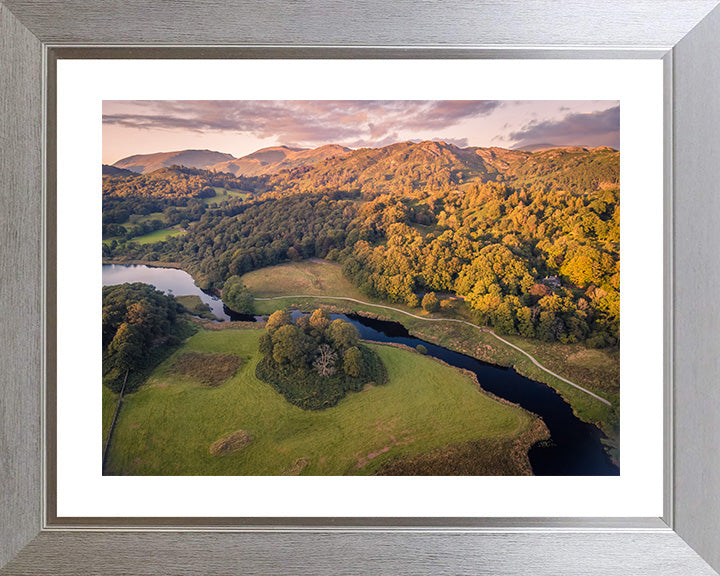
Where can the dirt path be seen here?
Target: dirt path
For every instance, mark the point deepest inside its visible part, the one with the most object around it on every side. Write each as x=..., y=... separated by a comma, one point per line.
x=488, y=330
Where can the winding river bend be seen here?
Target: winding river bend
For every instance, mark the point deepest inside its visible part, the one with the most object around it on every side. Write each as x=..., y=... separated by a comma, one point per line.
x=575, y=447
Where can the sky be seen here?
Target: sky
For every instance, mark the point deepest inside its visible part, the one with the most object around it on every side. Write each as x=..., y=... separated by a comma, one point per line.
x=240, y=127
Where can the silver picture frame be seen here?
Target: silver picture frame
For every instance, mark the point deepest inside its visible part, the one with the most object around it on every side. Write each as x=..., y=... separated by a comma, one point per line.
x=684, y=34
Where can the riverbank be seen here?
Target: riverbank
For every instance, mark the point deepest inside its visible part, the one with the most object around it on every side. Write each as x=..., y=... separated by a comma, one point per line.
x=480, y=458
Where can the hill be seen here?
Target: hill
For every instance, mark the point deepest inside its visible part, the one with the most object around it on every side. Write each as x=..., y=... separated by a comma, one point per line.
x=411, y=168
x=113, y=171
x=277, y=158
x=144, y=163
x=405, y=166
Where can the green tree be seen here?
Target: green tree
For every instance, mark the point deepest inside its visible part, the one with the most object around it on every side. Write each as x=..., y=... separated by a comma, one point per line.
x=343, y=334
x=353, y=362
x=237, y=297
x=288, y=345
x=504, y=322
x=265, y=344
x=546, y=326
x=524, y=322
x=127, y=348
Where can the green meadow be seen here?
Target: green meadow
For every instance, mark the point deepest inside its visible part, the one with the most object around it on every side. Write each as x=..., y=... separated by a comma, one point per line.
x=312, y=277
x=222, y=194
x=159, y=235
x=168, y=426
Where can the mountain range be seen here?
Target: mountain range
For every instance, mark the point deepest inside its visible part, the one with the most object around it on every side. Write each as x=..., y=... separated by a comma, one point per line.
x=264, y=161
x=364, y=163
x=144, y=163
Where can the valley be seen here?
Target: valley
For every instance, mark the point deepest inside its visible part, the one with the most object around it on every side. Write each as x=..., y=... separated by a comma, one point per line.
x=522, y=244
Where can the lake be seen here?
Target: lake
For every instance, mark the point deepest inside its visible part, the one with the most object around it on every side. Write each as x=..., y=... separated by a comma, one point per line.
x=575, y=447
x=168, y=280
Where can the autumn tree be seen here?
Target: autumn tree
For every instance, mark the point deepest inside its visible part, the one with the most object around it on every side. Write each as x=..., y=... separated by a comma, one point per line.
x=319, y=320
x=288, y=345
x=430, y=302
x=277, y=319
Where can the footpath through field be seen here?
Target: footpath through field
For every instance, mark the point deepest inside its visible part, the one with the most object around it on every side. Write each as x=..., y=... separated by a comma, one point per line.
x=482, y=329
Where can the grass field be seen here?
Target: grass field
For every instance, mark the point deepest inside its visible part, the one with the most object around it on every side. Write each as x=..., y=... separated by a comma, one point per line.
x=597, y=370
x=169, y=425
x=159, y=235
x=152, y=216
x=154, y=236
x=221, y=194
x=306, y=277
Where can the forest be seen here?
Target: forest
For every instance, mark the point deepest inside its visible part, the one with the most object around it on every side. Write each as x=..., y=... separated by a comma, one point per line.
x=139, y=323
x=529, y=240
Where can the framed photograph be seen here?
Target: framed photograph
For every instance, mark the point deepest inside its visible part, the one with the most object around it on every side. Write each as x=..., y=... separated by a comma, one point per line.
x=355, y=213
x=341, y=221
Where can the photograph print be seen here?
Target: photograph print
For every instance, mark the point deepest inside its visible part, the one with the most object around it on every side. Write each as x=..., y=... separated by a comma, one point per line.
x=361, y=287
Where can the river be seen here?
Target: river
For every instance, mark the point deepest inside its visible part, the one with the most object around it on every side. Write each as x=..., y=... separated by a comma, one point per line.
x=575, y=447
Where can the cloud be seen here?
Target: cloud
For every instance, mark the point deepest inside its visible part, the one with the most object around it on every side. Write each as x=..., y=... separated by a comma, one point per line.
x=601, y=128
x=300, y=122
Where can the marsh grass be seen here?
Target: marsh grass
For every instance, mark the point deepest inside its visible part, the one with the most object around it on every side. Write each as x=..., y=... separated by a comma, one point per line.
x=231, y=443
x=209, y=369
x=504, y=456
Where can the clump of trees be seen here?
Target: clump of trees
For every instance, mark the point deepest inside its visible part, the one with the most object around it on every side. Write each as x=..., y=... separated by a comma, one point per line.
x=237, y=297
x=315, y=361
x=138, y=323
